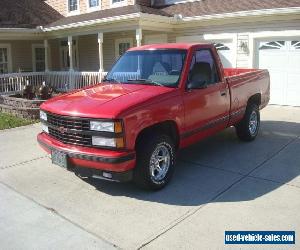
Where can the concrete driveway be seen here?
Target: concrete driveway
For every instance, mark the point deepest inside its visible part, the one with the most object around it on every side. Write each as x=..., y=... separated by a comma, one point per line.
x=219, y=184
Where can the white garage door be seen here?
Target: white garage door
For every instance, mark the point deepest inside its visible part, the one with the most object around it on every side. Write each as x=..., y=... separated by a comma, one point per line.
x=282, y=59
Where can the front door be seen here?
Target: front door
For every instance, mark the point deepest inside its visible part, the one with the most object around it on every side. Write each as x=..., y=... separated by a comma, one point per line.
x=64, y=55
x=207, y=103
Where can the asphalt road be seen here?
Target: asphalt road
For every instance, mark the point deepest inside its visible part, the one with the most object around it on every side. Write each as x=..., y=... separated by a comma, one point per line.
x=219, y=184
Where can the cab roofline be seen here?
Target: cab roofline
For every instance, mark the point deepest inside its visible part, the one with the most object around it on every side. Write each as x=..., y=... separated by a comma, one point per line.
x=185, y=46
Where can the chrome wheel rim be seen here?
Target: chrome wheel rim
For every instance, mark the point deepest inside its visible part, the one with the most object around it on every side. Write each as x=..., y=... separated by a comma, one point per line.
x=253, y=123
x=159, y=163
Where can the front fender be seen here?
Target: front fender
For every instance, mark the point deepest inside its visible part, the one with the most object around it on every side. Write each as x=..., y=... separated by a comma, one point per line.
x=151, y=114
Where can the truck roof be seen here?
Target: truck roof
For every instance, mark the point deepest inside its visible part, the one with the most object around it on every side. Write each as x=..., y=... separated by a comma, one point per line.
x=167, y=46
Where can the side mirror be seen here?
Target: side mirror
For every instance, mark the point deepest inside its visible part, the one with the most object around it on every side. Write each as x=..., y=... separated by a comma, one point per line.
x=197, y=85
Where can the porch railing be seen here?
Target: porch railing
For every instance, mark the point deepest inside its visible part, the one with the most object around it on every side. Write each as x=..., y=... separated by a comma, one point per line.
x=59, y=80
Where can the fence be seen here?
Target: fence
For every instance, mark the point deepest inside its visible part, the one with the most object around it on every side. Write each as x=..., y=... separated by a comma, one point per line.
x=59, y=80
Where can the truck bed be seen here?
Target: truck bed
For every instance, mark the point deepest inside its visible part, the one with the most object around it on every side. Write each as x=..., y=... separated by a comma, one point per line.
x=237, y=71
x=243, y=83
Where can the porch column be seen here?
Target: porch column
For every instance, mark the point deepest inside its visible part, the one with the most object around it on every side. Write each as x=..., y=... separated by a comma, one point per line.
x=70, y=45
x=139, y=36
x=46, y=45
x=100, y=49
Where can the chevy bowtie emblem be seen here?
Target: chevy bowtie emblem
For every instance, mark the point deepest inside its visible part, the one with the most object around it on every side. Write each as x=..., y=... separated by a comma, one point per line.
x=62, y=130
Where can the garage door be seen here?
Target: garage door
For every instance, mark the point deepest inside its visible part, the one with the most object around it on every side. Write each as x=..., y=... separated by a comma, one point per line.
x=282, y=59
x=225, y=53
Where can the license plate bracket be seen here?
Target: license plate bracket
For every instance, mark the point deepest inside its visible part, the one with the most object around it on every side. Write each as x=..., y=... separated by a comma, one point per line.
x=59, y=158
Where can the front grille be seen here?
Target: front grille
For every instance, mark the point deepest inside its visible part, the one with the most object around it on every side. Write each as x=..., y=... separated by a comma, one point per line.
x=70, y=138
x=59, y=127
x=66, y=122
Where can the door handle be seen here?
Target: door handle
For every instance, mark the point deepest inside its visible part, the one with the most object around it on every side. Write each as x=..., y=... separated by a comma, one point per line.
x=223, y=93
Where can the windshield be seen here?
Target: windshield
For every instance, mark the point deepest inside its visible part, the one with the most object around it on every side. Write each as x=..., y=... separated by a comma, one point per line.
x=155, y=67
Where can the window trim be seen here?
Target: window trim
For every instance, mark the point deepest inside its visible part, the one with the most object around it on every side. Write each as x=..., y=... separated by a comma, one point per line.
x=118, y=4
x=9, y=56
x=95, y=8
x=36, y=46
x=122, y=40
x=73, y=12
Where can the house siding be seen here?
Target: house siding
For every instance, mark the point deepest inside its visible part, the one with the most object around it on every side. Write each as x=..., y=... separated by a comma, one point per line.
x=62, y=5
x=109, y=44
x=243, y=31
x=88, y=53
x=59, y=5
x=109, y=56
x=242, y=55
x=54, y=55
x=21, y=53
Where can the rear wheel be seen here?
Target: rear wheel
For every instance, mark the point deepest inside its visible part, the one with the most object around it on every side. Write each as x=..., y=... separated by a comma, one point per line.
x=155, y=162
x=248, y=128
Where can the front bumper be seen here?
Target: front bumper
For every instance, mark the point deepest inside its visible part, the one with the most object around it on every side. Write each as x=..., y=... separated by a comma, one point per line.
x=93, y=162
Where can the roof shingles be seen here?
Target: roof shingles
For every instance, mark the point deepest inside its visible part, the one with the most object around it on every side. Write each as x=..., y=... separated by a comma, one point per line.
x=26, y=14
x=32, y=13
x=210, y=7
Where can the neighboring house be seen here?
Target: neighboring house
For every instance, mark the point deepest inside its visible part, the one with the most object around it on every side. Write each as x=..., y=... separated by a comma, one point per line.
x=89, y=35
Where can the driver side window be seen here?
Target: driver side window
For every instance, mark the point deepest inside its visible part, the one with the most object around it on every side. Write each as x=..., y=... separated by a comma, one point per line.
x=203, y=71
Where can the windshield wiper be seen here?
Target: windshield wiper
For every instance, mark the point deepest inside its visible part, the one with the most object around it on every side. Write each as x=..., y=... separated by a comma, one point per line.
x=146, y=81
x=111, y=80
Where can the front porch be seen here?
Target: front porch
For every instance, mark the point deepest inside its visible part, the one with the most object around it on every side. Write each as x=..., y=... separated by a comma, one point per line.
x=66, y=62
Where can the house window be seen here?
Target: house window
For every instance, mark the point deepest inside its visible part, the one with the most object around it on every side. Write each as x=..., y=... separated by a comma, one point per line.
x=3, y=60
x=122, y=45
x=93, y=3
x=296, y=45
x=221, y=46
x=73, y=5
x=273, y=45
x=38, y=57
x=117, y=3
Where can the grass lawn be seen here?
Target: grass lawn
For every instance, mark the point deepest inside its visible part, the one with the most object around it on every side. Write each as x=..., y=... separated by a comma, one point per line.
x=11, y=121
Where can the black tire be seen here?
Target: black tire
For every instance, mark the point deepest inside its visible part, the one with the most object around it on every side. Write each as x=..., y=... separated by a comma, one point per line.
x=148, y=146
x=243, y=129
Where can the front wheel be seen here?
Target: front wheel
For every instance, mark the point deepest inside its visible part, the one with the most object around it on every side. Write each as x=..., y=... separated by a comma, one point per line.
x=248, y=128
x=155, y=162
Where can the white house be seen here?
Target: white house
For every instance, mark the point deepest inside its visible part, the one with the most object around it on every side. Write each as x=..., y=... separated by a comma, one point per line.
x=56, y=38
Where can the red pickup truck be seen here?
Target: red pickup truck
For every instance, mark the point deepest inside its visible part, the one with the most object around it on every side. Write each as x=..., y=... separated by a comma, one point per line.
x=156, y=100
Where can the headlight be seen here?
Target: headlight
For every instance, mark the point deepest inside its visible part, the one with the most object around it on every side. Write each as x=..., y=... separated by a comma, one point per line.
x=108, y=142
x=103, y=126
x=45, y=128
x=43, y=115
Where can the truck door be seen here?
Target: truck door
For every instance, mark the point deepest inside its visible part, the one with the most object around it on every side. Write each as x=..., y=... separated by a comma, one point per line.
x=206, y=98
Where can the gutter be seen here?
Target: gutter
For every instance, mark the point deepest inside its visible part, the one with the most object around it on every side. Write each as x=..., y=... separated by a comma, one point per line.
x=92, y=22
x=251, y=13
x=21, y=30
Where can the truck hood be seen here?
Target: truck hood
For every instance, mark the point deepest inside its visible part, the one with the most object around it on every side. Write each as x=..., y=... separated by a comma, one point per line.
x=103, y=100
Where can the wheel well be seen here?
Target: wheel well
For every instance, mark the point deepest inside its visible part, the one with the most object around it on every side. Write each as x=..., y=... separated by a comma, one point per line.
x=167, y=127
x=255, y=99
